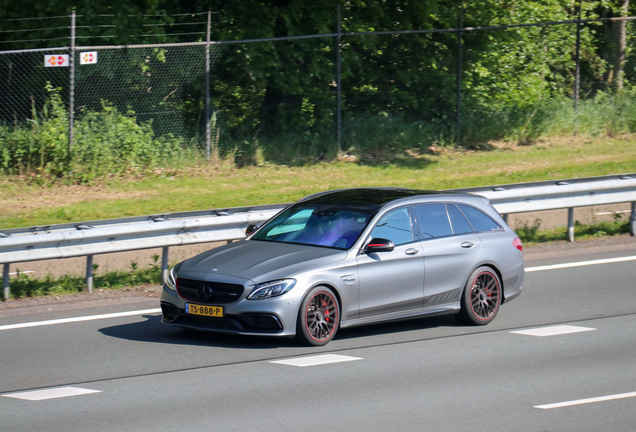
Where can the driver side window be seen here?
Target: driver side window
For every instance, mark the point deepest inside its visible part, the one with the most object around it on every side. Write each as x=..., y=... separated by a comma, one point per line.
x=394, y=226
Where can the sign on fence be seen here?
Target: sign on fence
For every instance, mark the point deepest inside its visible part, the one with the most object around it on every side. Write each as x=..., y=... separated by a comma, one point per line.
x=56, y=60
x=88, y=57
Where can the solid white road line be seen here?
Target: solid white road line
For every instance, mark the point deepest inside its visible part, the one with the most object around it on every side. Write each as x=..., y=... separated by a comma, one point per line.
x=316, y=360
x=587, y=401
x=54, y=393
x=78, y=319
x=581, y=263
x=553, y=330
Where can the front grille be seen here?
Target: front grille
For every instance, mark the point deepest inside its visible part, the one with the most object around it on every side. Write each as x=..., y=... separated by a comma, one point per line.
x=216, y=293
x=227, y=324
x=253, y=323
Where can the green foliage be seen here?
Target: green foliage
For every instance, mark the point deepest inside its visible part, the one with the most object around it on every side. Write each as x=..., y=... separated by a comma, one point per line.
x=606, y=114
x=105, y=143
x=275, y=101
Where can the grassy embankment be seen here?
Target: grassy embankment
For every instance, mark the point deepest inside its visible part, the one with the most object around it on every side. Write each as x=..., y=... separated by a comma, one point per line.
x=26, y=203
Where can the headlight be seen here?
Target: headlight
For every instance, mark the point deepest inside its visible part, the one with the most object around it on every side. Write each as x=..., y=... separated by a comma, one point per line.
x=271, y=289
x=172, y=280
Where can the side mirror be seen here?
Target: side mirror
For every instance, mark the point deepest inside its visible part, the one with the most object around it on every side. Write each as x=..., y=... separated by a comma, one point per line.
x=379, y=245
x=250, y=229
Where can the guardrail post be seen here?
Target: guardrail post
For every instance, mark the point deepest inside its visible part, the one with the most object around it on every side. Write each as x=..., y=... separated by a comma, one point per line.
x=5, y=282
x=505, y=218
x=164, y=264
x=632, y=225
x=89, y=273
x=571, y=224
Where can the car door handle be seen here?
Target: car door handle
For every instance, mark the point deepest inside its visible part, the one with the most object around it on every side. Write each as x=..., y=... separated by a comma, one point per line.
x=411, y=251
x=468, y=244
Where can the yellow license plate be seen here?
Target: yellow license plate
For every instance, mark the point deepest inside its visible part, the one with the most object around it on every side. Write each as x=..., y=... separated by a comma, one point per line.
x=211, y=311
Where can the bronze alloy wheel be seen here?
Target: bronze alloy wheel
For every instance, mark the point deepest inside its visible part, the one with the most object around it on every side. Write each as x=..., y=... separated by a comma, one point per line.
x=481, y=298
x=319, y=317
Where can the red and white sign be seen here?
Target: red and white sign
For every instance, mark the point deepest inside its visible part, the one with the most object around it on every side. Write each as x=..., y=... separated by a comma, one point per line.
x=56, y=60
x=89, y=57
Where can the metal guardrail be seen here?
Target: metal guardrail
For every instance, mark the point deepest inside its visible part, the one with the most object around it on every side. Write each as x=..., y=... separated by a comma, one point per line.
x=562, y=194
x=178, y=229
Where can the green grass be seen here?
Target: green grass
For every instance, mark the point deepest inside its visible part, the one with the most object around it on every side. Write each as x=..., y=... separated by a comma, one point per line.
x=24, y=285
x=26, y=202
x=532, y=234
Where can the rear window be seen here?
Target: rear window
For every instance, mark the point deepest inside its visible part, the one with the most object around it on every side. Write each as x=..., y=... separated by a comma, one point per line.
x=479, y=220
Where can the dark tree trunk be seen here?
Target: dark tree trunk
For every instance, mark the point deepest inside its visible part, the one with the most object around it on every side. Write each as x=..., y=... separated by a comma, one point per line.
x=617, y=43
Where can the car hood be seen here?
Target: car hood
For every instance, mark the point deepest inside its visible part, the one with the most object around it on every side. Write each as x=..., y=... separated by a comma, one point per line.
x=260, y=261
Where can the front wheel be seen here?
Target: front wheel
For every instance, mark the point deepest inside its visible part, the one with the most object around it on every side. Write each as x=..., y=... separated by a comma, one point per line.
x=318, y=317
x=481, y=298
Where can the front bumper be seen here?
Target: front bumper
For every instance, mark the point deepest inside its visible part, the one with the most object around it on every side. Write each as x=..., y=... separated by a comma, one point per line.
x=246, y=323
x=274, y=317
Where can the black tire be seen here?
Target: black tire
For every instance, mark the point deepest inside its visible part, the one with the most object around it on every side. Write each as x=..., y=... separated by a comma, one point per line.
x=481, y=298
x=318, y=317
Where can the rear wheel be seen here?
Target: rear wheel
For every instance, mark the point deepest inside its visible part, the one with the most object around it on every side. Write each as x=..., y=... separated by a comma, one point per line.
x=318, y=317
x=481, y=298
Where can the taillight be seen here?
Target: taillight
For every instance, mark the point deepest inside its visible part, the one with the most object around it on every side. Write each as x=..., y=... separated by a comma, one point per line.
x=517, y=243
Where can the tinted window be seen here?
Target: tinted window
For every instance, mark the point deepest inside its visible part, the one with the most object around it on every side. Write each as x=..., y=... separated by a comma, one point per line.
x=433, y=220
x=394, y=226
x=458, y=221
x=479, y=220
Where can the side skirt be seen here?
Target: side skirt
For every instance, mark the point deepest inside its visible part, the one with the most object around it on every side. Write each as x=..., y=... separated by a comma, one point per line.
x=445, y=309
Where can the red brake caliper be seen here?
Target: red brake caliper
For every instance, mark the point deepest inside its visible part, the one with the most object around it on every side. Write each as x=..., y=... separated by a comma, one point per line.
x=324, y=304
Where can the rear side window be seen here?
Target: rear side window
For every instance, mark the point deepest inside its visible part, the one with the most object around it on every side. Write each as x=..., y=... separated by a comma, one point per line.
x=459, y=222
x=479, y=220
x=433, y=220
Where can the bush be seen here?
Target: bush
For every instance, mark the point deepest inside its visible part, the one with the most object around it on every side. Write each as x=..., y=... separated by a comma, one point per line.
x=105, y=142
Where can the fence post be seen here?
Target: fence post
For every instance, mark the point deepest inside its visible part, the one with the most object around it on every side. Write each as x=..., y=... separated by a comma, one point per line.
x=338, y=90
x=577, y=78
x=207, y=90
x=459, y=73
x=71, y=102
x=5, y=282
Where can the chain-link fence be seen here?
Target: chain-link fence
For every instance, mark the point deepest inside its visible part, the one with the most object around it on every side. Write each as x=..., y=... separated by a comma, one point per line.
x=317, y=94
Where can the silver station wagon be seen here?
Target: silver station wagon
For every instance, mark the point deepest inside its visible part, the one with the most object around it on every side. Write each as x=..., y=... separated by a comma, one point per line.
x=352, y=257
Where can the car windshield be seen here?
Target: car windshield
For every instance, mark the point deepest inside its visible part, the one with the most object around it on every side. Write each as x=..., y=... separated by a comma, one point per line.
x=327, y=225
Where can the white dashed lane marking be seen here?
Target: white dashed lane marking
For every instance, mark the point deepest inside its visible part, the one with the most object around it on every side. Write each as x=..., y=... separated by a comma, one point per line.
x=581, y=264
x=316, y=360
x=587, y=401
x=553, y=330
x=38, y=395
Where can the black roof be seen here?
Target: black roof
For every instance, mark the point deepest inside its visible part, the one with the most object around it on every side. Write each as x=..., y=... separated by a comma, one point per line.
x=373, y=197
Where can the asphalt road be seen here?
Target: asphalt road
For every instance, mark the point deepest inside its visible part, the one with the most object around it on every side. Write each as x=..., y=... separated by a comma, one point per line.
x=422, y=375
